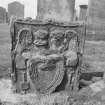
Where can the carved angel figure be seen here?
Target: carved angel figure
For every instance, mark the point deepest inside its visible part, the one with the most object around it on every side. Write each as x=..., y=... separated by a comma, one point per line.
x=65, y=43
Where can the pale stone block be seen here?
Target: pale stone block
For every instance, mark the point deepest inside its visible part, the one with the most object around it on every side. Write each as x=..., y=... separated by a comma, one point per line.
x=58, y=10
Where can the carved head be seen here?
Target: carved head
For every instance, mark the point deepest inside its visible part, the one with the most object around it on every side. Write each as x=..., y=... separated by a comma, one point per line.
x=70, y=34
x=70, y=39
x=25, y=37
x=41, y=38
x=57, y=38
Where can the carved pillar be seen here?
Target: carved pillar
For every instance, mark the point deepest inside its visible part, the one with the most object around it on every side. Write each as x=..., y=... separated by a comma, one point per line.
x=83, y=12
x=58, y=10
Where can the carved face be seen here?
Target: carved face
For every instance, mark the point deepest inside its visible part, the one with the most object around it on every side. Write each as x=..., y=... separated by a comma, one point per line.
x=70, y=34
x=41, y=38
x=70, y=39
x=57, y=38
x=25, y=37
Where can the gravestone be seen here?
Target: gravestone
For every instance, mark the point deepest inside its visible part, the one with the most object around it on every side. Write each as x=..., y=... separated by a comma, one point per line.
x=83, y=12
x=16, y=9
x=46, y=52
x=2, y=15
x=58, y=10
x=96, y=18
x=96, y=13
x=46, y=55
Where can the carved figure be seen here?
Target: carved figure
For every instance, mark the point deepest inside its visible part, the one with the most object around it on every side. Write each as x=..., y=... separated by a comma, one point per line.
x=44, y=64
x=61, y=41
x=42, y=54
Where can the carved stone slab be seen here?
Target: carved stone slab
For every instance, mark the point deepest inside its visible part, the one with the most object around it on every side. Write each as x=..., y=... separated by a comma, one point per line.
x=42, y=52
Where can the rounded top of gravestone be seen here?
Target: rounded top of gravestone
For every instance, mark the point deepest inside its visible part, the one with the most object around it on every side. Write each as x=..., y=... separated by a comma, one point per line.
x=15, y=3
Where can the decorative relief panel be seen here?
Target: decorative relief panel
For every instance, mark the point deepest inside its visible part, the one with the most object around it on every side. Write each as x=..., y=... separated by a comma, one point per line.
x=43, y=52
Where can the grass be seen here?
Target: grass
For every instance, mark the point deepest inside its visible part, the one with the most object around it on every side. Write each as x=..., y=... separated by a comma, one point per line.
x=94, y=55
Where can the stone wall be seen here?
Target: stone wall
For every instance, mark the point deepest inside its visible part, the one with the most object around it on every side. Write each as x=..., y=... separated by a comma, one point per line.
x=2, y=15
x=16, y=9
x=59, y=10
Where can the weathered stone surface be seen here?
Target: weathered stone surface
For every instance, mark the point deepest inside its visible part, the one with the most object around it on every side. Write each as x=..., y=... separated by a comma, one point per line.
x=96, y=13
x=58, y=10
x=48, y=50
x=96, y=19
x=2, y=15
x=98, y=86
x=16, y=9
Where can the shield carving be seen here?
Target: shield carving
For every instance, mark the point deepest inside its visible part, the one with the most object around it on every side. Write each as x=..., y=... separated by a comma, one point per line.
x=46, y=74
